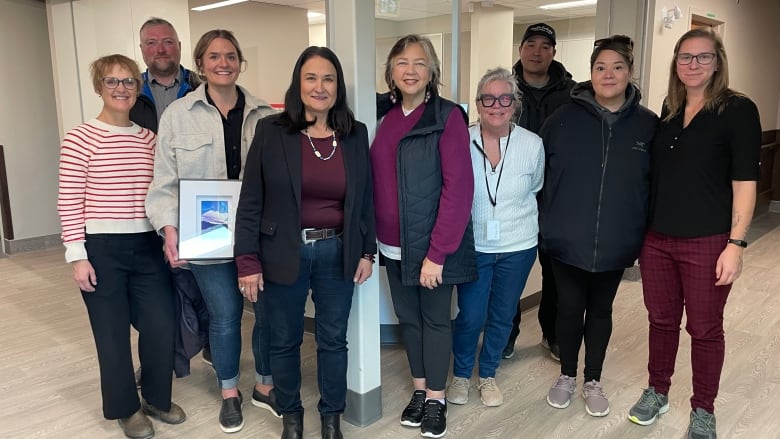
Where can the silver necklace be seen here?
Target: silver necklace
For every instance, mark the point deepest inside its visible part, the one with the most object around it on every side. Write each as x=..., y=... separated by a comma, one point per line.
x=314, y=148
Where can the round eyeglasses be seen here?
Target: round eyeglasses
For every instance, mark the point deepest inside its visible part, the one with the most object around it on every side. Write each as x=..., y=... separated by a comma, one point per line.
x=704, y=59
x=505, y=100
x=111, y=82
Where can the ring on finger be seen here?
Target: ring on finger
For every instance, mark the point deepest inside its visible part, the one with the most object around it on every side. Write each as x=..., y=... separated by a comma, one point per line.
x=242, y=288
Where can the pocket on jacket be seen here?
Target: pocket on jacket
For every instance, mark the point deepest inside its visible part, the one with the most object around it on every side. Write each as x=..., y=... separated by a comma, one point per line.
x=192, y=153
x=267, y=227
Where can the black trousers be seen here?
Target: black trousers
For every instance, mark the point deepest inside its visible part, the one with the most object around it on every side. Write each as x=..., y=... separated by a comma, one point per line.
x=584, y=311
x=424, y=317
x=548, y=307
x=133, y=288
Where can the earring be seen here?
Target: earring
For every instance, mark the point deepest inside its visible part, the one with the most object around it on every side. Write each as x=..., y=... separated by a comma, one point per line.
x=393, y=96
x=427, y=96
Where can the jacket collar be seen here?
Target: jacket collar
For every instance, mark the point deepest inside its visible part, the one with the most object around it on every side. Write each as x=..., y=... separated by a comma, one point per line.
x=199, y=96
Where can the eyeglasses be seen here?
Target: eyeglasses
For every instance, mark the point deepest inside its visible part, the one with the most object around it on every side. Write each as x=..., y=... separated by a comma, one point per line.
x=111, y=82
x=704, y=59
x=505, y=100
x=620, y=39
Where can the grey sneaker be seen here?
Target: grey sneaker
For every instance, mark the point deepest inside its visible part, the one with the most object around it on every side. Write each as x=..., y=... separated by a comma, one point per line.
x=489, y=392
x=458, y=392
x=702, y=425
x=596, y=403
x=560, y=393
x=649, y=407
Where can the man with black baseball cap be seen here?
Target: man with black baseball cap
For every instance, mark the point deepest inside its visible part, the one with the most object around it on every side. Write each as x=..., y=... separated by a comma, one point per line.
x=544, y=86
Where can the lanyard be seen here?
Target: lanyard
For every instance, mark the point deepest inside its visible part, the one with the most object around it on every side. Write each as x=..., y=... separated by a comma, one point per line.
x=493, y=199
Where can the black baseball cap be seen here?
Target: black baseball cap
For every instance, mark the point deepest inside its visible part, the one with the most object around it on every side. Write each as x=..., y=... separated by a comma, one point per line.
x=541, y=29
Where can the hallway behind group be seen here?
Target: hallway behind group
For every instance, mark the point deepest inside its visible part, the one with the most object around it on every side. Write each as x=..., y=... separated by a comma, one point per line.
x=51, y=389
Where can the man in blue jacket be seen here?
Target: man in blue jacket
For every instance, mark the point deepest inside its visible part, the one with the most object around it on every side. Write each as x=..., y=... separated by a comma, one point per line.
x=164, y=81
x=544, y=85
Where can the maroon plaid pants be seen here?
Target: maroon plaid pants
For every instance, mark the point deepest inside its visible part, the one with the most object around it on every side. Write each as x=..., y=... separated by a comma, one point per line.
x=679, y=274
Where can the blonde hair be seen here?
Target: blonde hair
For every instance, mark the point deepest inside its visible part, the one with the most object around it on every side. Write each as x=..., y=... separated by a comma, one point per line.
x=100, y=66
x=716, y=93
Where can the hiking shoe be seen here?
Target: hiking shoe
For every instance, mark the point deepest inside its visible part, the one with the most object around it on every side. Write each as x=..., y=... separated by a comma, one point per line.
x=596, y=403
x=137, y=426
x=489, y=392
x=458, y=393
x=174, y=415
x=266, y=402
x=649, y=407
x=702, y=425
x=434, y=421
x=509, y=349
x=560, y=393
x=231, y=419
x=413, y=413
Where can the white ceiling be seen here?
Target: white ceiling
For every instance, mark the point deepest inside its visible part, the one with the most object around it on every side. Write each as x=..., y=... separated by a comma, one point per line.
x=525, y=10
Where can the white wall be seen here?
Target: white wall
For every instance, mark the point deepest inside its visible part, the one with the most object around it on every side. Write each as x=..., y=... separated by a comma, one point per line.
x=28, y=119
x=318, y=34
x=271, y=37
x=754, y=61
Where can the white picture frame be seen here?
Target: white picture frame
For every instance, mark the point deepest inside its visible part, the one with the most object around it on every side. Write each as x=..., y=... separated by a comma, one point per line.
x=207, y=218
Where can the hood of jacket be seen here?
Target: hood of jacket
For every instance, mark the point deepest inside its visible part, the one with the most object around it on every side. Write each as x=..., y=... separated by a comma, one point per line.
x=583, y=94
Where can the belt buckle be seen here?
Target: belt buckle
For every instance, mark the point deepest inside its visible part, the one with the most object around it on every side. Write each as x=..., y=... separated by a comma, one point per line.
x=303, y=235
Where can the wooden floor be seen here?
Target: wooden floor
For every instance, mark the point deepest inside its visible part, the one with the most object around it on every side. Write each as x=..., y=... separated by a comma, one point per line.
x=49, y=376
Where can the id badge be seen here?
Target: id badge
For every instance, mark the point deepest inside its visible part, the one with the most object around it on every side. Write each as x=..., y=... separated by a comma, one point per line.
x=493, y=230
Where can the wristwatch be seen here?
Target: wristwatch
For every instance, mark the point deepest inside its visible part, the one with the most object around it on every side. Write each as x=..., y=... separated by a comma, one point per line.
x=738, y=242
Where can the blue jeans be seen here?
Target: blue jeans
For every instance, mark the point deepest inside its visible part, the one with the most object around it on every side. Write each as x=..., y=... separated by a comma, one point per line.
x=488, y=303
x=219, y=286
x=321, y=269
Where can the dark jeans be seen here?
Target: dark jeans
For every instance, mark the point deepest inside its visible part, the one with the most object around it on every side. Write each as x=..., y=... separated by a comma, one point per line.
x=548, y=307
x=133, y=288
x=679, y=274
x=424, y=319
x=321, y=269
x=584, y=297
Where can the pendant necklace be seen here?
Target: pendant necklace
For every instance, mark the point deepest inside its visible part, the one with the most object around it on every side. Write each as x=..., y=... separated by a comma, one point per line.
x=314, y=148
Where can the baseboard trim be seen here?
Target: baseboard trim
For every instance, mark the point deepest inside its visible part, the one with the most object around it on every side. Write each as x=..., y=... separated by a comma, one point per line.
x=15, y=246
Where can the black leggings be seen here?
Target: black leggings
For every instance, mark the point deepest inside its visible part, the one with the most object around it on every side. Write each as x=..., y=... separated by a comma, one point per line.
x=584, y=310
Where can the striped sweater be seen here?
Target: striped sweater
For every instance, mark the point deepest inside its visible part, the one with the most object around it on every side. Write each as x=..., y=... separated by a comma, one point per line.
x=104, y=175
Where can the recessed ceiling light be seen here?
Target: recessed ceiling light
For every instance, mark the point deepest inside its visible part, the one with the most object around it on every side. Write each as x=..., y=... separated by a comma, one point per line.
x=217, y=5
x=568, y=5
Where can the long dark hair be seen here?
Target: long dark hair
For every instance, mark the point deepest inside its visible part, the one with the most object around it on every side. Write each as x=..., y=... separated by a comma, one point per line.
x=340, y=117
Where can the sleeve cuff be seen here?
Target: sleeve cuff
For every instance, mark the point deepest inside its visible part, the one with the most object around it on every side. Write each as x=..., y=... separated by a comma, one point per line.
x=75, y=251
x=248, y=264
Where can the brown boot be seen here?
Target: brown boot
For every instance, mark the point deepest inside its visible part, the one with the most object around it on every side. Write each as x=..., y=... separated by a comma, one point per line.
x=137, y=426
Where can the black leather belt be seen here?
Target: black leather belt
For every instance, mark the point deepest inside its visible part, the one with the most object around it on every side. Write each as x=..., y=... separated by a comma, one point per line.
x=310, y=235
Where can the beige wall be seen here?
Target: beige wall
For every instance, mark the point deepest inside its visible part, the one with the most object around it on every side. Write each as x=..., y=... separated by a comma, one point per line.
x=28, y=119
x=271, y=37
x=754, y=60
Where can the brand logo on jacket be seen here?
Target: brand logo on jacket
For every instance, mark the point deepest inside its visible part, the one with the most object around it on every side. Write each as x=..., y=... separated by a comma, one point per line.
x=639, y=146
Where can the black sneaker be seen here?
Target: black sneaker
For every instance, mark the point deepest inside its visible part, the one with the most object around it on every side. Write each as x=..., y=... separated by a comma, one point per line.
x=205, y=355
x=509, y=350
x=266, y=402
x=231, y=419
x=434, y=421
x=413, y=413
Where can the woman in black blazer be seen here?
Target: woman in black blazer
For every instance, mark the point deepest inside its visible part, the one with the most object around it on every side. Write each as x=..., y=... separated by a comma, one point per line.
x=305, y=220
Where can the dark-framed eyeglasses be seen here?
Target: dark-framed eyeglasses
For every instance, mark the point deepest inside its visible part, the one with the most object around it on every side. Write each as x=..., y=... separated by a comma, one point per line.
x=704, y=58
x=111, y=82
x=620, y=39
x=505, y=100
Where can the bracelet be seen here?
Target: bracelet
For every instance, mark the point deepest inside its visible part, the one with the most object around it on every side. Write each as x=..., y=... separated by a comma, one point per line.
x=738, y=242
x=369, y=257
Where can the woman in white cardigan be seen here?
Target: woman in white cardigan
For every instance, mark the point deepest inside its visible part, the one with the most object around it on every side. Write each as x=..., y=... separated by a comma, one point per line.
x=206, y=135
x=508, y=164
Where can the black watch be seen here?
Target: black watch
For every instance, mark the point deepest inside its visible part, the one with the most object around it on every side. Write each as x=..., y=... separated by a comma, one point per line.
x=738, y=242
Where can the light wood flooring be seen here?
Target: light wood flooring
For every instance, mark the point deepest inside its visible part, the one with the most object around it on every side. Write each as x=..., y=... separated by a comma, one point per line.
x=49, y=376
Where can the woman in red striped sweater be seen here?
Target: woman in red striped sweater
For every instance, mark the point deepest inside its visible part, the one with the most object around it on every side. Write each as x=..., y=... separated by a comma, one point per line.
x=105, y=170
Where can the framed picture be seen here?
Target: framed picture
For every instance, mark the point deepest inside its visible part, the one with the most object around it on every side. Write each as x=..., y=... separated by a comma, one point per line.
x=207, y=216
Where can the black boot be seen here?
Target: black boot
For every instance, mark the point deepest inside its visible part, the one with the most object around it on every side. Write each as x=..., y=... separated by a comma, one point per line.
x=331, y=426
x=293, y=426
